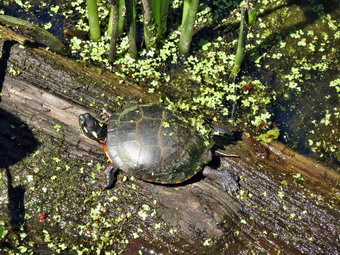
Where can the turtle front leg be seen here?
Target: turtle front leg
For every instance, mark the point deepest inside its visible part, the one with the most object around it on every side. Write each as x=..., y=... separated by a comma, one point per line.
x=228, y=181
x=110, y=173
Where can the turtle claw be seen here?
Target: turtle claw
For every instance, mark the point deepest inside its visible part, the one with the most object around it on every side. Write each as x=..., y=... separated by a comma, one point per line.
x=226, y=179
x=110, y=173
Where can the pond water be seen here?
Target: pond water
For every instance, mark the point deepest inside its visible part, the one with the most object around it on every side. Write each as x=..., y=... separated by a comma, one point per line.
x=297, y=64
x=305, y=75
x=305, y=101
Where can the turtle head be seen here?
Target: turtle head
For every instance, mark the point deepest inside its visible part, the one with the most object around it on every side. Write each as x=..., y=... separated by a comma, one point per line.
x=92, y=128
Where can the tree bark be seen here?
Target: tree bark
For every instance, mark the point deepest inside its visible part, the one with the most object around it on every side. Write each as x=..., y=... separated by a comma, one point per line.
x=278, y=211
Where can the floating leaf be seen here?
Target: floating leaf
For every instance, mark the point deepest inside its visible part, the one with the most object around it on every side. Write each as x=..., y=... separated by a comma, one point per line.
x=269, y=135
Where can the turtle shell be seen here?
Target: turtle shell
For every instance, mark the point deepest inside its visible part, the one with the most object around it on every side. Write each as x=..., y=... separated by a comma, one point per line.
x=152, y=144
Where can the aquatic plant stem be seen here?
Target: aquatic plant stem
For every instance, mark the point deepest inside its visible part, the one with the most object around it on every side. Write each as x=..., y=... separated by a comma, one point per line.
x=164, y=17
x=240, y=47
x=149, y=28
x=110, y=24
x=114, y=33
x=188, y=21
x=121, y=16
x=92, y=12
x=131, y=17
x=156, y=11
x=121, y=19
x=251, y=12
x=160, y=11
x=248, y=17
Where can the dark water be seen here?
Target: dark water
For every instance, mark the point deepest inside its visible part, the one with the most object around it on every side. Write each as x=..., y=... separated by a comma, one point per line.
x=298, y=117
x=42, y=13
x=298, y=120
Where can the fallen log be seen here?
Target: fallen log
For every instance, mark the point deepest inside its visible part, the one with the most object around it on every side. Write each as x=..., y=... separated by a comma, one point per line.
x=278, y=211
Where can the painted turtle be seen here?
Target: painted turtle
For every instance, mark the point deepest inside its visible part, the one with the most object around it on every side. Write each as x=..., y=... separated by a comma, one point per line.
x=152, y=144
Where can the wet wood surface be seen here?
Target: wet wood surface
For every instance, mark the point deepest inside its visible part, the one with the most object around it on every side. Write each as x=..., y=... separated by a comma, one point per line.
x=278, y=211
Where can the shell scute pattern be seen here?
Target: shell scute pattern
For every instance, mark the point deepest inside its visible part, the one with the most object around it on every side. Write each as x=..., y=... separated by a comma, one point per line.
x=142, y=146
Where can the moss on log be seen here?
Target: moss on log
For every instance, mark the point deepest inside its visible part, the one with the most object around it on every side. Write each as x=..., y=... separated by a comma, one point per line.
x=278, y=212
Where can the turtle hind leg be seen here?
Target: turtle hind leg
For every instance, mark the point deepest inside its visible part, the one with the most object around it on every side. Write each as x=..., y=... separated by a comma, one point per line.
x=110, y=173
x=223, y=177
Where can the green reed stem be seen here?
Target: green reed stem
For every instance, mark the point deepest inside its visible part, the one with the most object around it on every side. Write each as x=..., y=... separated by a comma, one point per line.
x=121, y=19
x=131, y=16
x=240, y=46
x=114, y=33
x=92, y=12
x=149, y=27
x=188, y=21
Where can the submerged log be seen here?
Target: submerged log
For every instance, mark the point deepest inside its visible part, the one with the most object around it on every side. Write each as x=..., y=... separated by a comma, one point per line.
x=278, y=212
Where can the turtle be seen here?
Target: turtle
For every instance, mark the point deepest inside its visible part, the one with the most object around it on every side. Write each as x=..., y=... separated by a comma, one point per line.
x=153, y=144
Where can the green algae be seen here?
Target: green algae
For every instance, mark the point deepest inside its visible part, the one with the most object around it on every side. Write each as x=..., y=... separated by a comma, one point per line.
x=66, y=210
x=290, y=48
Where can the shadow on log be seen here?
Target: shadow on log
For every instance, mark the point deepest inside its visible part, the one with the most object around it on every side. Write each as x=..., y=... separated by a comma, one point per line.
x=16, y=142
x=279, y=212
